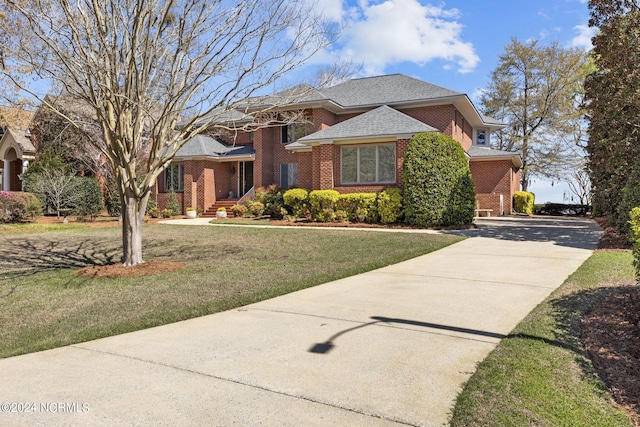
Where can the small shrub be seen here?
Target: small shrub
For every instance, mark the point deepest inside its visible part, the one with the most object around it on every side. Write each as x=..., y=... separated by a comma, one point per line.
x=172, y=205
x=151, y=204
x=359, y=207
x=322, y=204
x=18, y=207
x=634, y=236
x=273, y=201
x=166, y=213
x=90, y=205
x=238, y=210
x=389, y=206
x=523, y=202
x=154, y=212
x=255, y=208
x=298, y=200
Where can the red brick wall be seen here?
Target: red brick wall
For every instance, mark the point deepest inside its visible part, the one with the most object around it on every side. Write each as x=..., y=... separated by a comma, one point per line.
x=492, y=179
x=447, y=119
x=326, y=162
x=305, y=168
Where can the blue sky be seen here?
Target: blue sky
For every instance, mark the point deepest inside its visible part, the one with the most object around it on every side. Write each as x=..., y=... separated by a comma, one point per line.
x=454, y=43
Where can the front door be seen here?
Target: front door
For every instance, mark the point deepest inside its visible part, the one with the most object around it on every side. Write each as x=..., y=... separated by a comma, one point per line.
x=245, y=177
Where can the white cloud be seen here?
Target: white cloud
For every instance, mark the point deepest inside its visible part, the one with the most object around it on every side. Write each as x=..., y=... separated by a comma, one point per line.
x=330, y=9
x=583, y=39
x=382, y=33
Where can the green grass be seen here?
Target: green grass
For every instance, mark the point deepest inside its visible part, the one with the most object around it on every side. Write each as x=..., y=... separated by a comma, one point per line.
x=44, y=305
x=540, y=375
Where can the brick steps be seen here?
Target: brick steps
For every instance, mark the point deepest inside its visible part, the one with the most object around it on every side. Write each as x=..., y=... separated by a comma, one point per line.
x=225, y=203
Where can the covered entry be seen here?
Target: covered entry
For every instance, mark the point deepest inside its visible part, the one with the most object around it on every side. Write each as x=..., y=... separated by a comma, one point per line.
x=16, y=151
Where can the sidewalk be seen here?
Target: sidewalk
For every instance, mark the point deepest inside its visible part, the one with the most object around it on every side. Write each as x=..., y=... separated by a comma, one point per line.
x=389, y=347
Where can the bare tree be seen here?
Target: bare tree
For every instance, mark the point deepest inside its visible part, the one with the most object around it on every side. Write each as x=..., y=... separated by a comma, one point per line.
x=537, y=91
x=156, y=72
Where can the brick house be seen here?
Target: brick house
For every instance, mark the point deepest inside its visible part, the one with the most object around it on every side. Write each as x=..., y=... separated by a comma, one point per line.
x=353, y=139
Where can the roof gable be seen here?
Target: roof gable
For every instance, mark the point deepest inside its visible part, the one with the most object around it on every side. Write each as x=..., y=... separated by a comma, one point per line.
x=382, y=121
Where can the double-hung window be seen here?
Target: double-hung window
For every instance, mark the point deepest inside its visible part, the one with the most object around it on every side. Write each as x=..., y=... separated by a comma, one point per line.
x=174, y=178
x=368, y=164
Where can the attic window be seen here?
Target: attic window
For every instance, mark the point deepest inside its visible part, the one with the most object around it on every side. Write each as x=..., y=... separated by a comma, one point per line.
x=481, y=137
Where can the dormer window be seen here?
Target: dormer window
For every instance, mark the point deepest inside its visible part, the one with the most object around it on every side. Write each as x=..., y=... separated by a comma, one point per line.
x=481, y=137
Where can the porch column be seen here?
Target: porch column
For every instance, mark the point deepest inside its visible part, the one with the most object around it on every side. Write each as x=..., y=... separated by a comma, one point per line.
x=6, y=176
x=25, y=165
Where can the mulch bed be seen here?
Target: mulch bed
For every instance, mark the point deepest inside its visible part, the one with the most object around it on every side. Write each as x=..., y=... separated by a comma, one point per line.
x=114, y=271
x=611, y=335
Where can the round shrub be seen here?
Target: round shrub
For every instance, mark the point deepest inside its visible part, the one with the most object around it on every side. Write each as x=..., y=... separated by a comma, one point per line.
x=322, y=204
x=238, y=210
x=298, y=200
x=438, y=189
x=523, y=202
x=18, y=206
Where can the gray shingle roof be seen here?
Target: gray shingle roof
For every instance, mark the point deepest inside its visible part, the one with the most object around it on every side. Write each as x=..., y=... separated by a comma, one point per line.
x=382, y=121
x=389, y=89
x=476, y=151
x=206, y=146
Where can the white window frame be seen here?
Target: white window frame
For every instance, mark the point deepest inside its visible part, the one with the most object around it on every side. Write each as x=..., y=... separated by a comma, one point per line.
x=377, y=180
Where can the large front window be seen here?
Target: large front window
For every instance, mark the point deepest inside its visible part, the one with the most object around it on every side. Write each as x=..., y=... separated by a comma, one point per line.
x=174, y=178
x=368, y=164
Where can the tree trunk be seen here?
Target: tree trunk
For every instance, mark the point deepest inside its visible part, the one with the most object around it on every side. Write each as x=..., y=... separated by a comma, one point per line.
x=133, y=210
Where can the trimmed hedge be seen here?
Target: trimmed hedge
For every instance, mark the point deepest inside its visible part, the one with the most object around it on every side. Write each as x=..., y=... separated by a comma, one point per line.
x=523, y=202
x=438, y=189
x=298, y=200
x=322, y=205
x=389, y=206
x=358, y=207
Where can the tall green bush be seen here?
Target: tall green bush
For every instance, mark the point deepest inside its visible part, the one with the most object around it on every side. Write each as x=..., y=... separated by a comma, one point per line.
x=389, y=206
x=634, y=236
x=630, y=199
x=523, y=202
x=438, y=189
x=323, y=204
x=90, y=205
x=298, y=200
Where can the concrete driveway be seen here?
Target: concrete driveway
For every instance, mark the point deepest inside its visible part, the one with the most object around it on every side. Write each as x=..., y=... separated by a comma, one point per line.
x=386, y=348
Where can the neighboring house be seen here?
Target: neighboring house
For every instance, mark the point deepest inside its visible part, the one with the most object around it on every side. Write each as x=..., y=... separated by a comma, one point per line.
x=353, y=140
x=16, y=151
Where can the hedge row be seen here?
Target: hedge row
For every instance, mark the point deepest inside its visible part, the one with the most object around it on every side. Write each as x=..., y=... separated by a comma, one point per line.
x=329, y=205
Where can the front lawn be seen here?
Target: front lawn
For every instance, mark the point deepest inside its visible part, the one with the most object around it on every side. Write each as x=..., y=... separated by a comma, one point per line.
x=540, y=374
x=43, y=304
